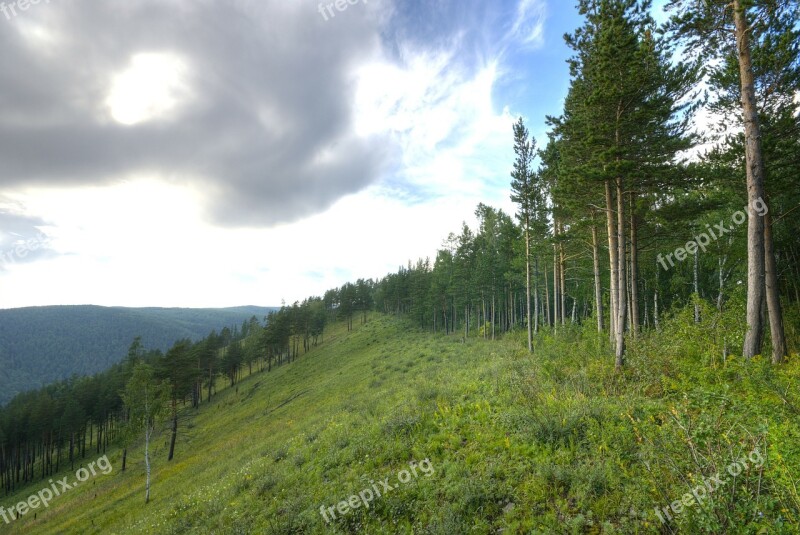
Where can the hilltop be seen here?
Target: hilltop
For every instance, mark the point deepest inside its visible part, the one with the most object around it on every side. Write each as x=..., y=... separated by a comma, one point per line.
x=40, y=345
x=551, y=442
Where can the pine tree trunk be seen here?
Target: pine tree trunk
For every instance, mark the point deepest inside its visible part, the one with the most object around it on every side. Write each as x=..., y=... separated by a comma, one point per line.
x=546, y=297
x=755, y=186
x=797, y=274
x=482, y=314
x=629, y=304
x=174, y=430
x=210, y=381
x=147, y=433
x=514, y=309
x=493, y=313
x=696, y=285
x=773, y=296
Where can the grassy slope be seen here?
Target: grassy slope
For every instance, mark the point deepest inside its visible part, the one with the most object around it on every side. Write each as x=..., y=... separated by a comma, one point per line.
x=549, y=444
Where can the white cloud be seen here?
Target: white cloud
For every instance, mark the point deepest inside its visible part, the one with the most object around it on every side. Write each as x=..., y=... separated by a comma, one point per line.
x=149, y=88
x=452, y=141
x=528, y=25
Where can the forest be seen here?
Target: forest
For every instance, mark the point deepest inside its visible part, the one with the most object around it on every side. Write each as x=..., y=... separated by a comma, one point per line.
x=631, y=212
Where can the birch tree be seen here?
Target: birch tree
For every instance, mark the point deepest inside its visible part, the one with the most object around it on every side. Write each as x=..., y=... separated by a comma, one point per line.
x=147, y=402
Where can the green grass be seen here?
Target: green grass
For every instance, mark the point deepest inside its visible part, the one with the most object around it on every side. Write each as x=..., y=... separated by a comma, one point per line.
x=550, y=443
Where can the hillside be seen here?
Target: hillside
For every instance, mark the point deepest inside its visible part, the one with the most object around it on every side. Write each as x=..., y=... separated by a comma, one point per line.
x=493, y=440
x=39, y=345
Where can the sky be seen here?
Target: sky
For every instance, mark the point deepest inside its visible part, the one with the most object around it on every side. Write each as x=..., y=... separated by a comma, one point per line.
x=212, y=153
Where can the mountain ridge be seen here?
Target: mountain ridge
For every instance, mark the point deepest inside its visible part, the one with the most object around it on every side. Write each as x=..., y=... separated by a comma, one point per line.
x=43, y=344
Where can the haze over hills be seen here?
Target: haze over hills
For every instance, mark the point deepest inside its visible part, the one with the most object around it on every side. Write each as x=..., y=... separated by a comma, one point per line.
x=39, y=345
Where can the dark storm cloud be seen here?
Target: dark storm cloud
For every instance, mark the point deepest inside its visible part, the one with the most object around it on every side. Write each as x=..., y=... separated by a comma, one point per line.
x=266, y=132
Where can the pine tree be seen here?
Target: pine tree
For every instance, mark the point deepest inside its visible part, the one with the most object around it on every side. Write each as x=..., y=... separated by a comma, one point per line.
x=176, y=370
x=622, y=128
x=523, y=193
x=718, y=30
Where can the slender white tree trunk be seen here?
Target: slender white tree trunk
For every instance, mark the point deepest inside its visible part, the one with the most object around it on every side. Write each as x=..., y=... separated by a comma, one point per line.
x=634, y=278
x=613, y=261
x=622, y=285
x=528, y=285
x=598, y=287
x=562, y=283
x=655, y=301
x=556, y=298
x=536, y=305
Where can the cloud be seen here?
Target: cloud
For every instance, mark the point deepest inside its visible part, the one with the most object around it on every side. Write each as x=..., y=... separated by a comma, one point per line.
x=433, y=98
x=451, y=139
x=247, y=101
x=528, y=27
x=252, y=143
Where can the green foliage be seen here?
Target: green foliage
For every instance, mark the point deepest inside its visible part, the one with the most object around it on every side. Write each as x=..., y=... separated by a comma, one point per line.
x=145, y=398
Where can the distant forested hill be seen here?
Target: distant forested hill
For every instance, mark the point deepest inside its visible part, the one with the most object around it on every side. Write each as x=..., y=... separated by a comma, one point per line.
x=39, y=345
